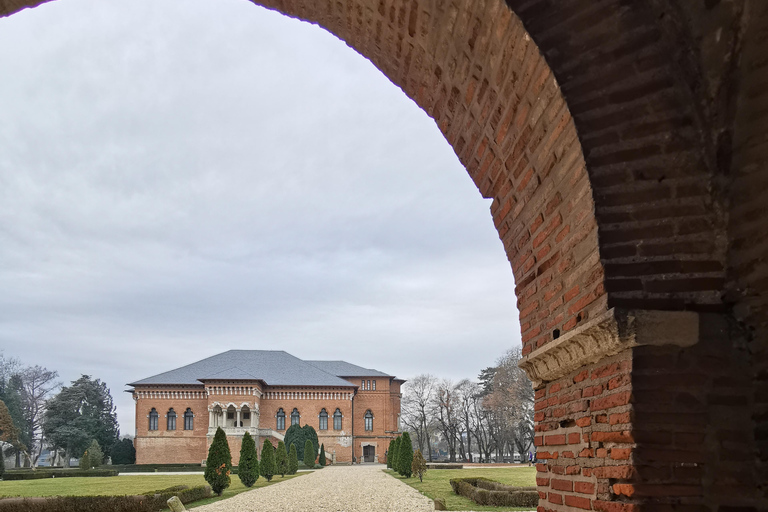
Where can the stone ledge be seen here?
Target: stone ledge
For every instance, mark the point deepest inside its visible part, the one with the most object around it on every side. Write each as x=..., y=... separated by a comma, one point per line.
x=610, y=333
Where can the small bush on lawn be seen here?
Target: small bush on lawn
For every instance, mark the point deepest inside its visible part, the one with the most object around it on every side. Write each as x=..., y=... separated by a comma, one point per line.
x=267, y=465
x=248, y=467
x=309, y=454
x=322, y=461
x=419, y=465
x=281, y=459
x=390, y=452
x=218, y=466
x=405, y=455
x=293, y=460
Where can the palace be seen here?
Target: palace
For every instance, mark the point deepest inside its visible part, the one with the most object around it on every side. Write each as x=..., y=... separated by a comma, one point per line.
x=355, y=410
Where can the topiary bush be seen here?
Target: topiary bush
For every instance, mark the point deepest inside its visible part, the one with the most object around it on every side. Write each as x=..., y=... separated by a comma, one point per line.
x=490, y=493
x=248, y=467
x=218, y=465
x=293, y=460
x=405, y=455
x=390, y=452
x=267, y=465
x=393, y=454
x=322, y=461
x=309, y=454
x=281, y=459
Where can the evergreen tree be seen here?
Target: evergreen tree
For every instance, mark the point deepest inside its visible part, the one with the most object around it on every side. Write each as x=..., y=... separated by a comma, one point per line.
x=293, y=460
x=218, y=466
x=95, y=455
x=393, y=453
x=419, y=465
x=281, y=459
x=85, y=461
x=322, y=460
x=248, y=467
x=311, y=434
x=309, y=457
x=390, y=452
x=124, y=452
x=2, y=462
x=405, y=455
x=295, y=436
x=267, y=465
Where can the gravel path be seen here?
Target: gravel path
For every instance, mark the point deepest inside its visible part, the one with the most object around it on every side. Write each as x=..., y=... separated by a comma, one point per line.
x=334, y=488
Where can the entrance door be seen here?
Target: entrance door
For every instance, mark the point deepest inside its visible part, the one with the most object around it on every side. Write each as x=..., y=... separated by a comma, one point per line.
x=369, y=453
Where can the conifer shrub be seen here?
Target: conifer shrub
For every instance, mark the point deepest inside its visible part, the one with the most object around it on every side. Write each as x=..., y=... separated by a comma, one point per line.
x=293, y=460
x=248, y=467
x=389, y=453
x=281, y=459
x=84, y=462
x=267, y=465
x=405, y=455
x=2, y=463
x=419, y=465
x=218, y=465
x=393, y=454
x=309, y=454
x=322, y=461
x=95, y=454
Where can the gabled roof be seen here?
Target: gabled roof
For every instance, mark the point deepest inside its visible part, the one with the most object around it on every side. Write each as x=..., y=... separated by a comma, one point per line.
x=273, y=367
x=345, y=369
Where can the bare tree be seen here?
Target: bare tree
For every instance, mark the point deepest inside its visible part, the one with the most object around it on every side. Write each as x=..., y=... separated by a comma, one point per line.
x=38, y=383
x=418, y=397
x=446, y=409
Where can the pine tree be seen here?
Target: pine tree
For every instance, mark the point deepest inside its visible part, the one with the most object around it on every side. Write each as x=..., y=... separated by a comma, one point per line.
x=95, y=455
x=309, y=454
x=218, y=466
x=281, y=459
x=267, y=465
x=85, y=461
x=390, y=452
x=405, y=455
x=293, y=460
x=322, y=460
x=419, y=465
x=248, y=467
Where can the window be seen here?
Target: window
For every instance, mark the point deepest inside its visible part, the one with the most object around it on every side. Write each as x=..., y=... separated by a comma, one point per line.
x=295, y=416
x=280, y=419
x=374, y=385
x=189, y=420
x=153, y=419
x=337, y=420
x=171, y=419
x=369, y=384
x=363, y=385
x=368, y=420
x=230, y=415
x=323, y=420
x=246, y=415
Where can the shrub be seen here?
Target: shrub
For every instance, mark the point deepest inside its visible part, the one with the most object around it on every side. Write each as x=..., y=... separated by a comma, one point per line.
x=322, y=461
x=295, y=435
x=309, y=454
x=267, y=465
x=293, y=460
x=487, y=492
x=2, y=462
x=123, y=452
x=85, y=462
x=419, y=465
x=95, y=454
x=389, y=452
x=393, y=453
x=218, y=465
x=29, y=474
x=281, y=459
x=405, y=455
x=248, y=467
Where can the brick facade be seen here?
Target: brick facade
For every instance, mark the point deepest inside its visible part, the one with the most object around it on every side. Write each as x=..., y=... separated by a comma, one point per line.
x=623, y=145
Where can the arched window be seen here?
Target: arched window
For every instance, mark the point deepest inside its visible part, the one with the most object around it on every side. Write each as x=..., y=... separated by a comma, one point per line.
x=171, y=419
x=280, y=419
x=337, y=420
x=295, y=416
x=323, y=420
x=368, y=420
x=189, y=420
x=153, y=419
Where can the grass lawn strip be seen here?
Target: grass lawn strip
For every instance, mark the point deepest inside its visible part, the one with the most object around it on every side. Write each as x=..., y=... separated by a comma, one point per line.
x=437, y=484
x=123, y=485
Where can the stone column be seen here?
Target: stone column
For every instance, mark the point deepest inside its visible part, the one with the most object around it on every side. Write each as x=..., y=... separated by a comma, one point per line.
x=237, y=424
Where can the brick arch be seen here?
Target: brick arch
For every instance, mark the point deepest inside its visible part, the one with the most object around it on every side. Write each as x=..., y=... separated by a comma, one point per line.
x=596, y=136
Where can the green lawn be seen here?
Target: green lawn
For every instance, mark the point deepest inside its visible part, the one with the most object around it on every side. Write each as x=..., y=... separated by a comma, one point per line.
x=121, y=485
x=436, y=484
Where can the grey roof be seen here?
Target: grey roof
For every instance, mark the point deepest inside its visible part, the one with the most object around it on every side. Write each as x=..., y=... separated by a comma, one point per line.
x=345, y=369
x=274, y=367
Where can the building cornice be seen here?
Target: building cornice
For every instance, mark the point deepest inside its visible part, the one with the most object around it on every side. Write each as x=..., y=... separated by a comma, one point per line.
x=610, y=333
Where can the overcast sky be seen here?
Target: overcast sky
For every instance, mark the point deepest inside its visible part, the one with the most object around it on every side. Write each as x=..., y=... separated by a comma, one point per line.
x=183, y=177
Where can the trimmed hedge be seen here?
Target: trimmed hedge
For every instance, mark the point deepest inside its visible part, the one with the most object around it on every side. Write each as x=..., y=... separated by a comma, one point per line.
x=27, y=474
x=444, y=465
x=156, y=468
x=490, y=493
x=139, y=503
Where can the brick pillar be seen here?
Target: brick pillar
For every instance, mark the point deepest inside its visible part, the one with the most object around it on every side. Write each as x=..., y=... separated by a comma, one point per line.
x=645, y=410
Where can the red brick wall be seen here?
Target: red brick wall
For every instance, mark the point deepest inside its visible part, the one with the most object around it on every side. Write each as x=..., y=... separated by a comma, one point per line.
x=163, y=446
